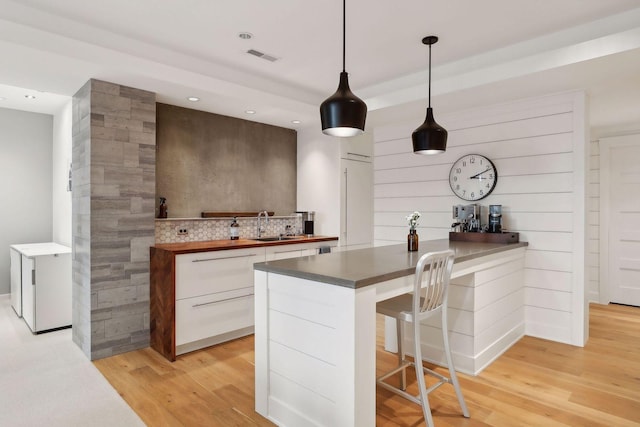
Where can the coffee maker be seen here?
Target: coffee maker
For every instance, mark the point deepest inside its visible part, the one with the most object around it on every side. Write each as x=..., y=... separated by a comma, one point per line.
x=467, y=217
x=495, y=219
x=307, y=222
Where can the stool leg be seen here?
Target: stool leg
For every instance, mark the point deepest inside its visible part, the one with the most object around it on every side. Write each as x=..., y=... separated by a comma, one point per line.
x=422, y=385
x=400, y=339
x=452, y=369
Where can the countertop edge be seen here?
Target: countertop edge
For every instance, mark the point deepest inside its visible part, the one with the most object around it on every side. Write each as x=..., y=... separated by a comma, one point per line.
x=272, y=267
x=223, y=245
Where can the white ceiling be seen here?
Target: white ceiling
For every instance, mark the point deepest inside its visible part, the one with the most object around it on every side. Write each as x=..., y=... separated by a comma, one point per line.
x=490, y=51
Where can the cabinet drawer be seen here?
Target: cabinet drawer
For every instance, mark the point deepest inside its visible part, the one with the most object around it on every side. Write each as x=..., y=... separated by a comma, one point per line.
x=283, y=252
x=204, y=317
x=205, y=273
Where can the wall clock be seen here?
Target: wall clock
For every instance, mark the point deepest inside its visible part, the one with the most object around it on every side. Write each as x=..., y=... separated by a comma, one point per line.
x=473, y=177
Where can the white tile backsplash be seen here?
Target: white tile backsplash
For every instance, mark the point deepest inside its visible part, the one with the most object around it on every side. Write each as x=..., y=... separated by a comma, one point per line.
x=202, y=229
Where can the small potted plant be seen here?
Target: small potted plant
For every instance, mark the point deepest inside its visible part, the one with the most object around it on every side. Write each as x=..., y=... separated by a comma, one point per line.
x=412, y=237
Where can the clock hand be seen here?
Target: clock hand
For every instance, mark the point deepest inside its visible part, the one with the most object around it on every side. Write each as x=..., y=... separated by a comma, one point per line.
x=477, y=176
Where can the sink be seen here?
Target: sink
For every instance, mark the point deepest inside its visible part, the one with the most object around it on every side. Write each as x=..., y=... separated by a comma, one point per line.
x=273, y=239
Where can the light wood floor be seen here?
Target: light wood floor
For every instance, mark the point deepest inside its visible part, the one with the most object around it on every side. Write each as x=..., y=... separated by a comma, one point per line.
x=535, y=383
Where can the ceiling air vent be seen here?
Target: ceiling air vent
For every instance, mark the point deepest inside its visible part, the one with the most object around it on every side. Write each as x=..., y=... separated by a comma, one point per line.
x=262, y=55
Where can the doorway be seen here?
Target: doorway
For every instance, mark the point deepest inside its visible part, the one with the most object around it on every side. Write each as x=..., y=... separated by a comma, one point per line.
x=620, y=220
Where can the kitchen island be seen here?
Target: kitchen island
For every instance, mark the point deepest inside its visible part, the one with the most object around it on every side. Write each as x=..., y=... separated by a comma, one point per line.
x=315, y=333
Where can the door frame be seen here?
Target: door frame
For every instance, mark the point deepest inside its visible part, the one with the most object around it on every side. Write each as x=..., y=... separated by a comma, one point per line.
x=606, y=144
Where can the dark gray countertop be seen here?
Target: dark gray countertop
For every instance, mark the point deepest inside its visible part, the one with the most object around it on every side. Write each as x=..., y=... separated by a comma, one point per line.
x=364, y=267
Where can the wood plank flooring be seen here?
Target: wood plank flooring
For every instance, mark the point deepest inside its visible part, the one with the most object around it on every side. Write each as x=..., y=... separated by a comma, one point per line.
x=535, y=383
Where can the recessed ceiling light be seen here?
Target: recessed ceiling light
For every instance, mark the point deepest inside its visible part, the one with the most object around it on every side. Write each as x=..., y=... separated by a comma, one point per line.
x=245, y=36
x=30, y=96
x=193, y=99
x=250, y=111
x=296, y=122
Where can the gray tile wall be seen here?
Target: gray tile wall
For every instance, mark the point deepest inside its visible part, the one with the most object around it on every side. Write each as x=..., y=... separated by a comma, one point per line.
x=114, y=136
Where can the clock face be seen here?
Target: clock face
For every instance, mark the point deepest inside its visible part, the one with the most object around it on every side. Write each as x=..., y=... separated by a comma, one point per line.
x=473, y=177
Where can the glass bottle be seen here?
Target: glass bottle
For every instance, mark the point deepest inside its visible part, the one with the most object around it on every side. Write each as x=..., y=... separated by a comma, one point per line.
x=412, y=240
x=234, y=229
x=162, y=209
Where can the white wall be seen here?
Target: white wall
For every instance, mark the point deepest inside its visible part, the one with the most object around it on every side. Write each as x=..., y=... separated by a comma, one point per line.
x=593, y=230
x=25, y=182
x=62, y=124
x=319, y=179
x=539, y=147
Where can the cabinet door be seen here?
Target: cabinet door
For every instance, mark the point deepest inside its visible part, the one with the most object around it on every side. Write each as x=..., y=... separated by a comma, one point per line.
x=207, y=273
x=53, y=291
x=28, y=292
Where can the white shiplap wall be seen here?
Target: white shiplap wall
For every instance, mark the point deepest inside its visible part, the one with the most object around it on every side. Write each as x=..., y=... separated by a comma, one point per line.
x=539, y=149
x=593, y=229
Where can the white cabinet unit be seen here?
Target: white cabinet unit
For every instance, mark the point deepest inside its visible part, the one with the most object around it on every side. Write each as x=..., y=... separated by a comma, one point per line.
x=201, y=295
x=46, y=285
x=214, y=297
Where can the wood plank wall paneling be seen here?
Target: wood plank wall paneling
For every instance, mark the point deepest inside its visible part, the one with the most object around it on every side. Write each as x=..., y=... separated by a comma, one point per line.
x=532, y=143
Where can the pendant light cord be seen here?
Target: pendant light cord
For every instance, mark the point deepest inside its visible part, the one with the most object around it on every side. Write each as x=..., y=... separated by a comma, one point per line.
x=429, y=76
x=344, y=33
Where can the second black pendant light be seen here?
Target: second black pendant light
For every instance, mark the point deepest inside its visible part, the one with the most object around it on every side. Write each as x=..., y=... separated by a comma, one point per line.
x=430, y=137
x=343, y=114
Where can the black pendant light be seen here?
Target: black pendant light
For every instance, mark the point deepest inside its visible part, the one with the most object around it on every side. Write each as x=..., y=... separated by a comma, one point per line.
x=430, y=137
x=343, y=114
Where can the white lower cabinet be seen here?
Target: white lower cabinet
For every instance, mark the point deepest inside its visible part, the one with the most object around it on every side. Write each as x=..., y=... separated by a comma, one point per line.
x=213, y=295
x=201, y=318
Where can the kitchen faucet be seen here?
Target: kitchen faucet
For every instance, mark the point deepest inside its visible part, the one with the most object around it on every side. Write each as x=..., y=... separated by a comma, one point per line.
x=266, y=217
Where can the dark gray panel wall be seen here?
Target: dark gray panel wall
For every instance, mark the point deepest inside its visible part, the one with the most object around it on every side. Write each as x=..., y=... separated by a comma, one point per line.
x=208, y=162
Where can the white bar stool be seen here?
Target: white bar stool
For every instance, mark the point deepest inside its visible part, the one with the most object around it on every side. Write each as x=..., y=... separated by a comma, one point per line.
x=426, y=301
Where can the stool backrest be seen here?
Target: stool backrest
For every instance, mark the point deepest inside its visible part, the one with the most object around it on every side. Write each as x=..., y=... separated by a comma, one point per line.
x=433, y=273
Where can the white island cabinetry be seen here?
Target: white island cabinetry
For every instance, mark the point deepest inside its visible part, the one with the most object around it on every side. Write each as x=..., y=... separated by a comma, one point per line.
x=315, y=332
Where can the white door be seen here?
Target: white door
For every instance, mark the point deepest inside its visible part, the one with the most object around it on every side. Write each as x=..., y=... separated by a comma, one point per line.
x=620, y=204
x=357, y=204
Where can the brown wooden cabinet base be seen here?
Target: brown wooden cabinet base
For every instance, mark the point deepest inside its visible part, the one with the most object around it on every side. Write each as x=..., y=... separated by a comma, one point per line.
x=162, y=303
